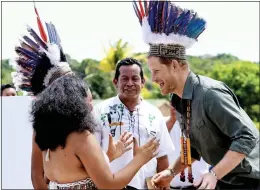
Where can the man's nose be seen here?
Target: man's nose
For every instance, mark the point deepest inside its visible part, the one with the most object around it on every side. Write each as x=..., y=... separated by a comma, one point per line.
x=130, y=82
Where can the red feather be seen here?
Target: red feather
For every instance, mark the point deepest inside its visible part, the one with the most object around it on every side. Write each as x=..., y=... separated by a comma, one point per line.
x=142, y=9
x=40, y=26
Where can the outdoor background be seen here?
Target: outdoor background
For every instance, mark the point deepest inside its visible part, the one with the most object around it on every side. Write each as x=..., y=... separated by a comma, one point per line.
x=95, y=36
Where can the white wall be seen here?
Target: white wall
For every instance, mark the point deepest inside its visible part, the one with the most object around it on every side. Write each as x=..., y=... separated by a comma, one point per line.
x=16, y=143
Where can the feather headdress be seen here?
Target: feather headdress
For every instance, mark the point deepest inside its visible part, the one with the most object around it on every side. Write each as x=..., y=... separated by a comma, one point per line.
x=168, y=29
x=40, y=59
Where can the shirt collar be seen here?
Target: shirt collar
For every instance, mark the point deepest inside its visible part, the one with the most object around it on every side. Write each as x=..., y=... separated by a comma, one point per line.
x=118, y=101
x=188, y=87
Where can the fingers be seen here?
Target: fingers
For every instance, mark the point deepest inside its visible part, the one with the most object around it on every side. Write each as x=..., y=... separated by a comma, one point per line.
x=154, y=146
x=203, y=185
x=126, y=137
x=157, y=178
x=127, y=149
x=197, y=182
x=128, y=143
x=153, y=178
x=123, y=136
x=110, y=142
x=209, y=186
x=135, y=142
x=149, y=143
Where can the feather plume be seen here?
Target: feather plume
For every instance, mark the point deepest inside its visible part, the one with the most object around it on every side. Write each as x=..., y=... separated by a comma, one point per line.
x=40, y=26
x=162, y=21
x=26, y=46
x=38, y=54
x=26, y=53
x=31, y=42
x=36, y=37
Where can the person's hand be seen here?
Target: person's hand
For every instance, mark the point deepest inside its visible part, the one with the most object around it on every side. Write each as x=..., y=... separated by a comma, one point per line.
x=207, y=181
x=117, y=149
x=146, y=152
x=162, y=179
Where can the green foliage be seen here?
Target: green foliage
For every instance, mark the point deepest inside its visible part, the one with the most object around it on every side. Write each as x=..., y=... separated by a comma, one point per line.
x=6, y=70
x=241, y=76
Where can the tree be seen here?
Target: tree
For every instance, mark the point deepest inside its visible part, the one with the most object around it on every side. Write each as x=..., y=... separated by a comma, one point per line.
x=115, y=53
x=243, y=78
x=6, y=77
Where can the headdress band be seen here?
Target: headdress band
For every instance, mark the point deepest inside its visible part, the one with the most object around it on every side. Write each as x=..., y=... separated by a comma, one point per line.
x=172, y=51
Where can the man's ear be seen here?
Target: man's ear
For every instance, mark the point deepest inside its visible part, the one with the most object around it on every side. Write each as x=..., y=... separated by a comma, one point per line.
x=143, y=82
x=115, y=82
x=174, y=64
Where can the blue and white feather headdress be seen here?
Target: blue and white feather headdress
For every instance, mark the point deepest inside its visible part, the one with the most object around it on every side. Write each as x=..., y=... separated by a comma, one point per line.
x=168, y=29
x=40, y=59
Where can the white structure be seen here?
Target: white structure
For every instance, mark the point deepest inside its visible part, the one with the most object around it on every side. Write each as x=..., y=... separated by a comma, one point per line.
x=16, y=142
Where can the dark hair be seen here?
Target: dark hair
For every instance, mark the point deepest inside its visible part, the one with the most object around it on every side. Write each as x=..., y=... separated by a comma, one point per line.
x=39, y=74
x=126, y=62
x=41, y=70
x=5, y=86
x=60, y=110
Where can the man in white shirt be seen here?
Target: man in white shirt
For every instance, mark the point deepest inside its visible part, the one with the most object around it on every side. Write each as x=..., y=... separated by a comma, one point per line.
x=129, y=112
x=198, y=167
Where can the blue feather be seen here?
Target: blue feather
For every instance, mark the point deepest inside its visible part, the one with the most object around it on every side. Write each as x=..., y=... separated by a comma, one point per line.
x=160, y=16
x=53, y=34
x=50, y=33
x=136, y=12
x=170, y=21
x=145, y=8
x=155, y=13
x=27, y=64
x=26, y=53
x=184, y=22
x=57, y=37
x=31, y=42
x=152, y=15
x=150, y=18
x=165, y=15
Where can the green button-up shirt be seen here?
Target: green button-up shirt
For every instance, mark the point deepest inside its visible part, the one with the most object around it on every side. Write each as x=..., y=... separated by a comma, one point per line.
x=219, y=124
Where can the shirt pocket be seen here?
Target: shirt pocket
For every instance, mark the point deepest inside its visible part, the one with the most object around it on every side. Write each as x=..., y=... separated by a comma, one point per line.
x=200, y=133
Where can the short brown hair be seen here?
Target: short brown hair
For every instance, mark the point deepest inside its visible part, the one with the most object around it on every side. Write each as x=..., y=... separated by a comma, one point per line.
x=167, y=61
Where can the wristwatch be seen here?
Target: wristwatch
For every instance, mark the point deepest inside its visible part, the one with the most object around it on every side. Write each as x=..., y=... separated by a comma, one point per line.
x=172, y=172
x=212, y=172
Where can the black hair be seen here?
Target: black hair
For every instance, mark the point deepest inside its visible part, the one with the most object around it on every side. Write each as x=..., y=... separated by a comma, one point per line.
x=40, y=72
x=126, y=62
x=60, y=110
x=5, y=86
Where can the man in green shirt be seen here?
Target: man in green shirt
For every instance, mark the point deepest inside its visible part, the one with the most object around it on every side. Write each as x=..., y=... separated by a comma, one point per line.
x=218, y=128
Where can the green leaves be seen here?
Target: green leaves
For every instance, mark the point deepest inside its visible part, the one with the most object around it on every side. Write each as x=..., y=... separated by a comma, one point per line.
x=241, y=76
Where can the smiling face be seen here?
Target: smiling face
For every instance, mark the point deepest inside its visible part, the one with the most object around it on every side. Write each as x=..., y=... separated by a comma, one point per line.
x=129, y=82
x=163, y=74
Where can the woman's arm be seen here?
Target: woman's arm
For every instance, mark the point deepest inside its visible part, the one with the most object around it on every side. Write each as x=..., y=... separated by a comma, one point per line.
x=100, y=173
x=37, y=172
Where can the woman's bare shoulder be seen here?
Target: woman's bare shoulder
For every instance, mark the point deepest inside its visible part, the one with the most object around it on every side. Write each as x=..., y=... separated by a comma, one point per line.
x=79, y=139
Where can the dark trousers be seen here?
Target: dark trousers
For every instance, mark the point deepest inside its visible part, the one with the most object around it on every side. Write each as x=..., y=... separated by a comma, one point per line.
x=252, y=184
